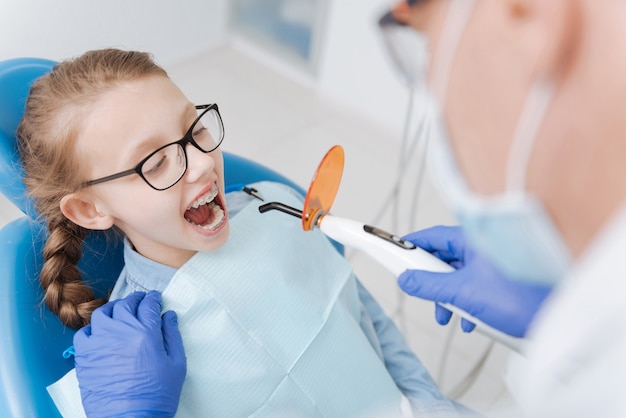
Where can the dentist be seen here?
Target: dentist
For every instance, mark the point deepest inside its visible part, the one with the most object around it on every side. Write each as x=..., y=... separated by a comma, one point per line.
x=528, y=130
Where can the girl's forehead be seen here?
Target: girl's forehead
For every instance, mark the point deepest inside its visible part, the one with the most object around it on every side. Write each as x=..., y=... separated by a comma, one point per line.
x=133, y=118
x=131, y=103
x=153, y=89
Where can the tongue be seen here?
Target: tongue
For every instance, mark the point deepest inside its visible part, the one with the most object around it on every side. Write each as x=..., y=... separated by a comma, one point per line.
x=201, y=215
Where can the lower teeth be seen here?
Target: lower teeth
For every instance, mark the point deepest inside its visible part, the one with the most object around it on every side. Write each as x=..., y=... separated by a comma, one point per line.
x=218, y=217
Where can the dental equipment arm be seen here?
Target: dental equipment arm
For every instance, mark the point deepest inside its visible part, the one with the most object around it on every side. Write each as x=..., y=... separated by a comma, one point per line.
x=396, y=255
x=476, y=286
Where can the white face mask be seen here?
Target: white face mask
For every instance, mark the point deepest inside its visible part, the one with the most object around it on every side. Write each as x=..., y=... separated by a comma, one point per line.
x=513, y=229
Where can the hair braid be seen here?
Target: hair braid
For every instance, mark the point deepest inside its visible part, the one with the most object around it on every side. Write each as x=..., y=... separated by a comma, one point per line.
x=65, y=293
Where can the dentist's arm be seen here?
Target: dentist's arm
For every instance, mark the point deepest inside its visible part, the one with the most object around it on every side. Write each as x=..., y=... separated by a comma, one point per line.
x=130, y=360
x=405, y=368
x=476, y=286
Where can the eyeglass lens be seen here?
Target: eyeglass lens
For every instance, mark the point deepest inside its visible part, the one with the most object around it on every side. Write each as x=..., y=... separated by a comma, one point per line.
x=166, y=166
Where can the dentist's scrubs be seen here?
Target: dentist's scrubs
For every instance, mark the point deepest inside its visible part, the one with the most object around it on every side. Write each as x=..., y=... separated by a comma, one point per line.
x=576, y=364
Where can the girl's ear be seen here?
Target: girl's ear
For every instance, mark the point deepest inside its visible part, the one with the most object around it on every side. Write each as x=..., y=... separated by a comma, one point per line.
x=83, y=211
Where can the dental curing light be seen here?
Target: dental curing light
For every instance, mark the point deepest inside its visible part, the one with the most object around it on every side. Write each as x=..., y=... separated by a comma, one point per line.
x=390, y=250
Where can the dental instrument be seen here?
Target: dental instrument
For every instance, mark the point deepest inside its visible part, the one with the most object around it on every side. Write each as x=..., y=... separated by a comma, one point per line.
x=390, y=250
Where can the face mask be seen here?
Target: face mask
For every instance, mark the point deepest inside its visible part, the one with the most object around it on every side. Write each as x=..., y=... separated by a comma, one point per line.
x=513, y=229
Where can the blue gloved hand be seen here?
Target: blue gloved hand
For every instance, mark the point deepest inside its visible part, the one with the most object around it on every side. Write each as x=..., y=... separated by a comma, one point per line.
x=476, y=286
x=130, y=361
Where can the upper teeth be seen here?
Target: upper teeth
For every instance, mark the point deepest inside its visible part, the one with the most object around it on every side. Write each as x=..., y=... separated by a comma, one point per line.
x=206, y=198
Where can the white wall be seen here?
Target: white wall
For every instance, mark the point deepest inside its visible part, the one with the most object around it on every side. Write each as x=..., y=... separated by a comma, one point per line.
x=171, y=30
x=353, y=68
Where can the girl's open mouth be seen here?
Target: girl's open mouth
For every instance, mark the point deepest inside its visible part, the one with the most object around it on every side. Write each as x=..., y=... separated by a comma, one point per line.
x=207, y=212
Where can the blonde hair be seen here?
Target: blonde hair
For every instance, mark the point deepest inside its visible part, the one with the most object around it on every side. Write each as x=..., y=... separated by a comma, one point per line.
x=57, y=104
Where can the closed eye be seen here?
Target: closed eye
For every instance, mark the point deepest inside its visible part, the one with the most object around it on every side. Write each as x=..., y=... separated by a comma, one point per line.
x=199, y=130
x=154, y=167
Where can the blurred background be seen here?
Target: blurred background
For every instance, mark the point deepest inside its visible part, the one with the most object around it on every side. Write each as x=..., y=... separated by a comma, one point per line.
x=292, y=78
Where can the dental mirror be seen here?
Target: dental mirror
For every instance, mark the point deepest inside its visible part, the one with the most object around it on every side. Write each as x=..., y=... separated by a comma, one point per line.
x=324, y=186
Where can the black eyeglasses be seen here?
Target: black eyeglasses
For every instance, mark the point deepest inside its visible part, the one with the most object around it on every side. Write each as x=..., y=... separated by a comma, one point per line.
x=165, y=167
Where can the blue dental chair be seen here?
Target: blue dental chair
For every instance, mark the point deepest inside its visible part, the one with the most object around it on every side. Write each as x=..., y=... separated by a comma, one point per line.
x=32, y=339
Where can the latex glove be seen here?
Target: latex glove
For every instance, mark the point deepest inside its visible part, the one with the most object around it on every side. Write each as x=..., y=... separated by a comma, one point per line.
x=130, y=361
x=476, y=286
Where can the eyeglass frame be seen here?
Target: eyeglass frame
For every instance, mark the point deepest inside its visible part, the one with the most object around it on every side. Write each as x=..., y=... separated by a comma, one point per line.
x=186, y=139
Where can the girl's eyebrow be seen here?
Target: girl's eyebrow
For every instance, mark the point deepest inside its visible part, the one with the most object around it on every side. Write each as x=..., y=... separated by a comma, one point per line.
x=140, y=151
x=190, y=112
x=150, y=143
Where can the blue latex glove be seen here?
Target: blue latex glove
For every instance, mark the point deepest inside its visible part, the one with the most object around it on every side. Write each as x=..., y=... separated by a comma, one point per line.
x=130, y=361
x=476, y=286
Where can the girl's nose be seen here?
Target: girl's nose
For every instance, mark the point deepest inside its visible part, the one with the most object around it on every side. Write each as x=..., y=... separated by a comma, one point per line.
x=198, y=163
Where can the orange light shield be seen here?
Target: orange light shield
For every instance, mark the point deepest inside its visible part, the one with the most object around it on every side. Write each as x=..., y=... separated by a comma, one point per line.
x=323, y=188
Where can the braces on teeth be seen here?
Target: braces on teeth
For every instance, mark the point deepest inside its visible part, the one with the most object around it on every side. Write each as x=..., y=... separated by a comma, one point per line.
x=206, y=198
x=219, y=219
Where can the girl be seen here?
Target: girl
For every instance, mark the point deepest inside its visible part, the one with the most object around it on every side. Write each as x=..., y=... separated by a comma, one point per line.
x=108, y=141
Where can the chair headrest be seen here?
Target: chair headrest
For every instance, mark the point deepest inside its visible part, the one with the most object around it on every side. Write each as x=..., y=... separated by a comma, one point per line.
x=16, y=77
